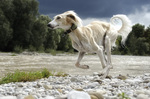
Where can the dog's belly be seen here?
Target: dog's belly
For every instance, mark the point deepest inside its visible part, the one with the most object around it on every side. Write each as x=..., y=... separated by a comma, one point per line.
x=83, y=47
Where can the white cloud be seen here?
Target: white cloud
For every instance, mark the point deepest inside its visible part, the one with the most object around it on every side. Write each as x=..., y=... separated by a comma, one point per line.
x=89, y=20
x=142, y=16
x=139, y=16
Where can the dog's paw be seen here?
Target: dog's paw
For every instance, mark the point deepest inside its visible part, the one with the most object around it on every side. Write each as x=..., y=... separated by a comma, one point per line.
x=102, y=75
x=84, y=66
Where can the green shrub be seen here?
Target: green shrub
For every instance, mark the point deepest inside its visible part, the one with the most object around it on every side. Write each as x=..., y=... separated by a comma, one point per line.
x=32, y=48
x=46, y=73
x=123, y=96
x=18, y=49
x=53, y=52
x=19, y=76
x=47, y=50
x=61, y=74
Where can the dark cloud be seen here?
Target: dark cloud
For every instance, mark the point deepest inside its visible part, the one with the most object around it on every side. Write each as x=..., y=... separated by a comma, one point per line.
x=91, y=8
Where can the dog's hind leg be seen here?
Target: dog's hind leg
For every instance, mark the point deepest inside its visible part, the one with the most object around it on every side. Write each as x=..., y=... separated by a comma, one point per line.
x=108, y=52
x=80, y=56
x=101, y=54
x=106, y=69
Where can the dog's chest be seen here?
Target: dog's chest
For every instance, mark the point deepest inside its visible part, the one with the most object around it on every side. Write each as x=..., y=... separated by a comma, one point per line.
x=81, y=45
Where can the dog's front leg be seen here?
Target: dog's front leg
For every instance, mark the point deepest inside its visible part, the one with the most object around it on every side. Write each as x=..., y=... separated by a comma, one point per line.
x=80, y=56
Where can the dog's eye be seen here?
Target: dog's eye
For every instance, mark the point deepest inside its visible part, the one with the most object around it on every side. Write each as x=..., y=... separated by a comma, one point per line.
x=58, y=18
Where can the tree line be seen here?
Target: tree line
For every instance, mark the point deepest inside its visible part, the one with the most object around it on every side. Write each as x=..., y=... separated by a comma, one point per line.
x=23, y=28
x=137, y=43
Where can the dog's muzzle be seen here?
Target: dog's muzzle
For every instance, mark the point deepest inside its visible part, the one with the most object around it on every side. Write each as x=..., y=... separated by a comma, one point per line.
x=49, y=25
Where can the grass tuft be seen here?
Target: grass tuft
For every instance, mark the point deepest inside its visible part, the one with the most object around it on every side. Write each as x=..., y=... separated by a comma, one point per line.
x=123, y=96
x=19, y=76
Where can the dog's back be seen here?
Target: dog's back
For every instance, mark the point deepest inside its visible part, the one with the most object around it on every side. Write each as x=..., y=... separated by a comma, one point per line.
x=97, y=30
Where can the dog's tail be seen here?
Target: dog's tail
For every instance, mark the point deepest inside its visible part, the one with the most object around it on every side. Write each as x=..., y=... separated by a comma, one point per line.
x=126, y=26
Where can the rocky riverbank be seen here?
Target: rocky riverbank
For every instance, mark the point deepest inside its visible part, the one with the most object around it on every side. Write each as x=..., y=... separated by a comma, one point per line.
x=131, y=87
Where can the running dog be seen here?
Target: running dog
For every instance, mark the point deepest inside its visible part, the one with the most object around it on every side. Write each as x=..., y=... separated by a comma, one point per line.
x=97, y=37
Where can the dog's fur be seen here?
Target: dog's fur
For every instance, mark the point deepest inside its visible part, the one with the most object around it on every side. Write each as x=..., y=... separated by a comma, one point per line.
x=97, y=37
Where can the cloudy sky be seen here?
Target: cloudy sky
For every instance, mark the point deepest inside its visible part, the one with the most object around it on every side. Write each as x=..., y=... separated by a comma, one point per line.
x=89, y=10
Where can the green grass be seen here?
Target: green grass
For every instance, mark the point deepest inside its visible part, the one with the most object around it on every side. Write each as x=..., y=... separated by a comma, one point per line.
x=20, y=76
x=123, y=96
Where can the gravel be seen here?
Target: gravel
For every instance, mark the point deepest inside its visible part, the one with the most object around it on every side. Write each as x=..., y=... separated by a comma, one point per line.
x=133, y=83
x=134, y=87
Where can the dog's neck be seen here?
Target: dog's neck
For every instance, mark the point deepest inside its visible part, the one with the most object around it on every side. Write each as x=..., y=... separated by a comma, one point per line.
x=72, y=28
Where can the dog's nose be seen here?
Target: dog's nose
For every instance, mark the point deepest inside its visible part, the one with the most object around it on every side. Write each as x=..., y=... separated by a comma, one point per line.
x=49, y=25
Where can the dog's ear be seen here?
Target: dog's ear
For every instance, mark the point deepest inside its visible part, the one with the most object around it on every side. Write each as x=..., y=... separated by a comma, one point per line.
x=71, y=16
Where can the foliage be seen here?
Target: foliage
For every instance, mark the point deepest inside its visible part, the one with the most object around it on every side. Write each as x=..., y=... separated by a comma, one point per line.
x=5, y=31
x=18, y=49
x=138, y=42
x=22, y=26
x=123, y=96
x=19, y=76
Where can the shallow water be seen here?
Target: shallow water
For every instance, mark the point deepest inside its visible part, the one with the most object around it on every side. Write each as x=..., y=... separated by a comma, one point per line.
x=132, y=65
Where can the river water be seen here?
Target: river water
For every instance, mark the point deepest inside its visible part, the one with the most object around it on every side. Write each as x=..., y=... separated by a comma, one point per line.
x=132, y=65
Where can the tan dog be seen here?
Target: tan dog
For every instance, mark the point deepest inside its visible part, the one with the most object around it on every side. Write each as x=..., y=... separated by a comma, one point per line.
x=97, y=37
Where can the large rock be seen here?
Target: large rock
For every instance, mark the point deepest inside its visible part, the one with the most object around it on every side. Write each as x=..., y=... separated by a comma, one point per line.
x=49, y=97
x=78, y=95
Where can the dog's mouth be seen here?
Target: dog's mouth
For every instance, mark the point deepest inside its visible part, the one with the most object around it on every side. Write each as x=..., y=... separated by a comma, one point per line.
x=51, y=26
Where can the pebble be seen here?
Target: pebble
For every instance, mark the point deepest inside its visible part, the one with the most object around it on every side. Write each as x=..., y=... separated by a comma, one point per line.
x=75, y=86
x=48, y=87
x=143, y=96
x=8, y=97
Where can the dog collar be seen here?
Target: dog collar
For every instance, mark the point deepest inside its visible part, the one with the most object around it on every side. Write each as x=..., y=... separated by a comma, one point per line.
x=72, y=28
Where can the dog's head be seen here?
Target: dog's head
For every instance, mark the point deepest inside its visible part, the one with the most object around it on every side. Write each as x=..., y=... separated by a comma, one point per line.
x=65, y=20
